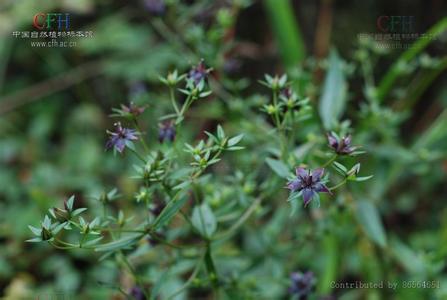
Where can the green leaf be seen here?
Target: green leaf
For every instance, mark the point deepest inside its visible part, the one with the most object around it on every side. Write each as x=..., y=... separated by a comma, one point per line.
x=169, y=211
x=278, y=167
x=70, y=202
x=333, y=98
x=341, y=168
x=58, y=228
x=412, y=262
x=286, y=32
x=123, y=242
x=93, y=242
x=182, y=185
x=235, y=148
x=364, y=178
x=369, y=218
x=234, y=140
x=78, y=211
x=158, y=284
x=204, y=220
x=46, y=222
x=295, y=202
x=36, y=231
x=34, y=240
x=220, y=132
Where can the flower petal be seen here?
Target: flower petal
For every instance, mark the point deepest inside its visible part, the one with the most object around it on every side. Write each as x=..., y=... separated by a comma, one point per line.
x=294, y=185
x=347, y=140
x=301, y=172
x=316, y=174
x=332, y=141
x=308, y=194
x=130, y=134
x=111, y=142
x=321, y=188
x=120, y=144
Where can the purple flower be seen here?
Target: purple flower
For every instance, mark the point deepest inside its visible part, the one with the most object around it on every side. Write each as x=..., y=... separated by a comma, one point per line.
x=154, y=238
x=308, y=183
x=155, y=7
x=156, y=208
x=133, y=109
x=120, y=138
x=137, y=293
x=286, y=92
x=166, y=132
x=198, y=73
x=301, y=284
x=342, y=145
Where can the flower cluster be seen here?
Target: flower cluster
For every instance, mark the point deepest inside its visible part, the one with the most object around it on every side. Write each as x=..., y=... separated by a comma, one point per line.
x=121, y=137
x=301, y=284
x=308, y=183
x=198, y=73
x=181, y=180
x=341, y=146
x=166, y=132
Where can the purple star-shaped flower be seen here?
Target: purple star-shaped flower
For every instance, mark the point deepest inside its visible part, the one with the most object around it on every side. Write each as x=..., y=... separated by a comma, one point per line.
x=166, y=132
x=133, y=109
x=308, y=183
x=301, y=283
x=198, y=73
x=342, y=145
x=119, y=139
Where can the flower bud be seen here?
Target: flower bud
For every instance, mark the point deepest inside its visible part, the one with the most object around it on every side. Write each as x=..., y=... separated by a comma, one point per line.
x=46, y=234
x=271, y=109
x=61, y=215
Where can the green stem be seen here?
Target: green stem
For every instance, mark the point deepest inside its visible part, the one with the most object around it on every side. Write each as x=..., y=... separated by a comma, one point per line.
x=241, y=220
x=104, y=211
x=123, y=230
x=174, y=103
x=82, y=240
x=275, y=104
x=190, y=279
x=338, y=185
x=155, y=237
x=138, y=155
x=185, y=106
x=329, y=161
x=279, y=125
x=63, y=245
x=143, y=142
x=211, y=269
x=132, y=271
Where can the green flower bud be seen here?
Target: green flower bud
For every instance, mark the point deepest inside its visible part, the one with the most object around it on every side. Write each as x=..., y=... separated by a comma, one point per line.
x=46, y=234
x=271, y=109
x=61, y=215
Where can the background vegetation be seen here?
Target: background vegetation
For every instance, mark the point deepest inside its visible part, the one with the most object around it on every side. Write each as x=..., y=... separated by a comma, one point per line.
x=55, y=103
